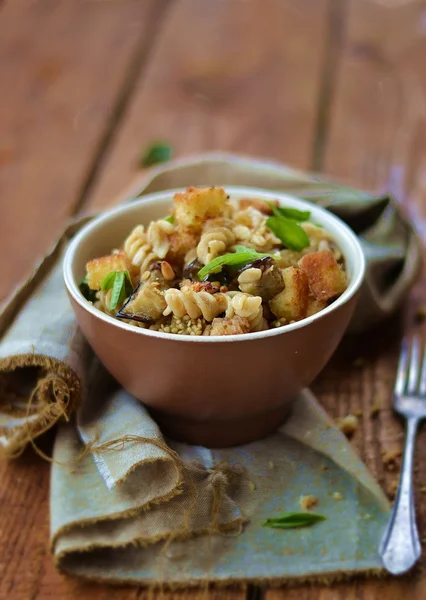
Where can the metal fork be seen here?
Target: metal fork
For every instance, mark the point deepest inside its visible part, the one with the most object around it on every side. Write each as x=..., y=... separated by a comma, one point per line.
x=400, y=546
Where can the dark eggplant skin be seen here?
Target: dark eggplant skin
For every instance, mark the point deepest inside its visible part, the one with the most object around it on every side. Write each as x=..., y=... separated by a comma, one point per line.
x=123, y=315
x=259, y=263
x=228, y=276
x=146, y=303
x=190, y=271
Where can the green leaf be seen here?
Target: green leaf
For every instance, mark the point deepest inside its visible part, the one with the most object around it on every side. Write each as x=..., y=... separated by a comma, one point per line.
x=117, y=290
x=240, y=257
x=88, y=293
x=293, y=520
x=291, y=213
x=121, y=285
x=169, y=219
x=158, y=152
x=289, y=232
x=108, y=281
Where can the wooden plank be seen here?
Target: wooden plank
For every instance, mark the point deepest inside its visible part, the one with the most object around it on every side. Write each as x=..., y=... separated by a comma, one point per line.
x=221, y=77
x=226, y=75
x=62, y=67
x=378, y=112
x=376, y=140
x=355, y=590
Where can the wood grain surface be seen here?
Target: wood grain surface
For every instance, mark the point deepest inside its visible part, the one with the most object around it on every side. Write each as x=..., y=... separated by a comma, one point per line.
x=336, y=85
x=226, y=75
x=63, y=66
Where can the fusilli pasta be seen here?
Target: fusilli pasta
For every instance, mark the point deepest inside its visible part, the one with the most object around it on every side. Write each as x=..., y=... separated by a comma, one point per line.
x=138, y=249
x=158, y=234
x=195, y=304
x=251, y=230
x=246, y=306
x=103, y=301
x=213, y=242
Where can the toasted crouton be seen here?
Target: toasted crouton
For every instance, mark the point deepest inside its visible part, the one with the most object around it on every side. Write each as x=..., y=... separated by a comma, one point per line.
x=230, y=326
x=326, y=278
x=196, y=205
x=260, y=205
x=98, y=268
x=292, y=302
x=314, y=306
x=181, y=241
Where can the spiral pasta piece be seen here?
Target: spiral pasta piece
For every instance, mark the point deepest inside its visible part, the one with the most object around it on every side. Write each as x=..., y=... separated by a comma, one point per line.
x=250, y=307
x=213, y=242
x=158, y=234
x=195, y=304
x=103, y=301
x=139, y=250
x=250, y=229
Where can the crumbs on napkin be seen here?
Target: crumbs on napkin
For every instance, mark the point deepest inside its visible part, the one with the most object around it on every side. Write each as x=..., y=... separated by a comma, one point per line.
x=308, y=502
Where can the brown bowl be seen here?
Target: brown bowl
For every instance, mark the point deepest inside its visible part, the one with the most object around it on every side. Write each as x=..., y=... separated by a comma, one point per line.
x=215, y=391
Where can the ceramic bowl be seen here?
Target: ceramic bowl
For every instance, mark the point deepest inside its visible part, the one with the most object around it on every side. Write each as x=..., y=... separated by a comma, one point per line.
x=214, y=391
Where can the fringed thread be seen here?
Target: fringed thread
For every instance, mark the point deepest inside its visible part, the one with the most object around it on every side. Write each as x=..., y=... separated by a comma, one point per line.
x=56, y=395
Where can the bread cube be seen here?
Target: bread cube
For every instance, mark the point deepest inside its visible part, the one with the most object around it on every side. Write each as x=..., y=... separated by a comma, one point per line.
x=98, y=268
x=315, y=306
x=230, y=326
x=326, y=278
x=181, y=241
x=196, y=205
x=292, y=303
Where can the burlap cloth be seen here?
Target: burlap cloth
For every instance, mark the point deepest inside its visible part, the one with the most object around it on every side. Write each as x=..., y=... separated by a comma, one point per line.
x=127, y=505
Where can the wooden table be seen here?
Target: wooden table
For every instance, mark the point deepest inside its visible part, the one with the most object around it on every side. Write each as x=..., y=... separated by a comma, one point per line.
x=332, y=85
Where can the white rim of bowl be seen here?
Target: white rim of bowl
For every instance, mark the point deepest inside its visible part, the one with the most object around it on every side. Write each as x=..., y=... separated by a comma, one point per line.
x=350, y=291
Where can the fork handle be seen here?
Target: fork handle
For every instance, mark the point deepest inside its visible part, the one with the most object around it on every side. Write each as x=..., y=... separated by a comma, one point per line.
x=400, y=546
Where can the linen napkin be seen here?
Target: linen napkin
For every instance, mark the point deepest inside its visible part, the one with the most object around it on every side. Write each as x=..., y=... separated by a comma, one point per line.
x=124, y=500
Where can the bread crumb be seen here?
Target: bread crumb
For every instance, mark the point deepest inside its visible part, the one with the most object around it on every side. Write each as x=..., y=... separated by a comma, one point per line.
x=323, y=551
x=337, y=496
x=376, y=407
x=308, y=502
x=390, y=459
x=323, y=467
x=348, y=425
x=392, y=489
x=357, y=412
x=271, y=465
x=252, y=486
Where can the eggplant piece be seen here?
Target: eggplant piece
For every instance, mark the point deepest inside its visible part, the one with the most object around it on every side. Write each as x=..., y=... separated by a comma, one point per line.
x=147, y=303
x=270, y=282
x=190, y=271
